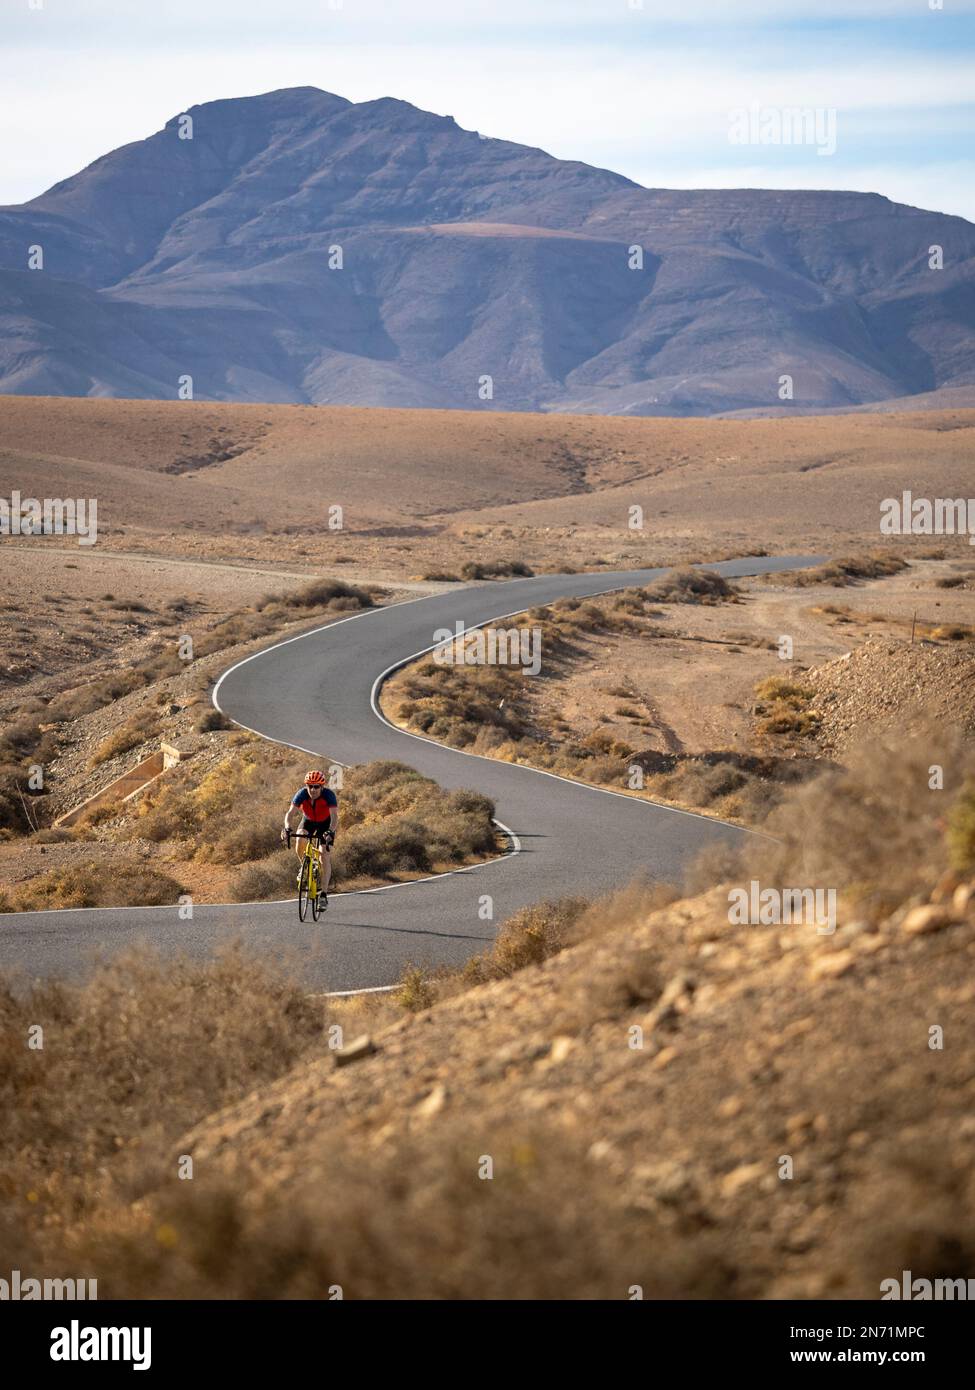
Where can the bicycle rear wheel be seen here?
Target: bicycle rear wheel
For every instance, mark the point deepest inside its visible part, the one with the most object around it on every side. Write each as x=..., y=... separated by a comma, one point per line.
x=303, y=895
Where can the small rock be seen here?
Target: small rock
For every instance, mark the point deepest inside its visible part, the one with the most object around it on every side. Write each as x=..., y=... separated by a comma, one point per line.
x=832, y=965
x=561, y=1048
x=740, y=1177
x=921, y=920
x=730, y=1107
x=433, y=1103
x=962, y=898
x=355, y=1050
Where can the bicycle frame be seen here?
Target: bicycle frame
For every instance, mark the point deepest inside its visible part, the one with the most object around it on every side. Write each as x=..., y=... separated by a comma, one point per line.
x=308, y=881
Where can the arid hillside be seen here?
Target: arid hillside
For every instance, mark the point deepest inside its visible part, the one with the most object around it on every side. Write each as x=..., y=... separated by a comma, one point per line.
x=640, y=1095
x=426, y=492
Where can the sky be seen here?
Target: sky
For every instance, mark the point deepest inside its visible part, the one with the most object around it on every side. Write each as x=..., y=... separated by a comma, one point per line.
x=653, y=89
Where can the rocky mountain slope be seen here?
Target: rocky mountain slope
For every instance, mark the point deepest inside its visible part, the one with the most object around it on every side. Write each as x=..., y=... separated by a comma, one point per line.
x=463, y=257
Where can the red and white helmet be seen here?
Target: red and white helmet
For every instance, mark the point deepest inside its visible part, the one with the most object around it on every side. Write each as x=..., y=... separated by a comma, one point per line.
x=314, y=779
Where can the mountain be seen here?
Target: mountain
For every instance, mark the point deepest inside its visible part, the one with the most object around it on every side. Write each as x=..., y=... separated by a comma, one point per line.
x=463, y=257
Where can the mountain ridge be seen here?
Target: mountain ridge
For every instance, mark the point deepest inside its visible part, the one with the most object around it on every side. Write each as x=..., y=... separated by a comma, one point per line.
x=209, y=258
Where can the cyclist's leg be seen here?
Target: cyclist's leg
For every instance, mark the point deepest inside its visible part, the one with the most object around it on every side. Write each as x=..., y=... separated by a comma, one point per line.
x=326, y=859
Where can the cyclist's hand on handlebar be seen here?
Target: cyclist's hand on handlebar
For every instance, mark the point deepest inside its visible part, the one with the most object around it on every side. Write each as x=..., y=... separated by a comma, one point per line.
x=284, y=835
x=329, y=839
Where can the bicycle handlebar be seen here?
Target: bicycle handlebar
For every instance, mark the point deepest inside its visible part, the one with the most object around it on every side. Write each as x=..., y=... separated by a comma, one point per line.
x=303, y=835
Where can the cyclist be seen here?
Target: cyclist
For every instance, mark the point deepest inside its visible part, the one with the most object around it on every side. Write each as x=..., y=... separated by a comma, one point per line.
x=318, y=807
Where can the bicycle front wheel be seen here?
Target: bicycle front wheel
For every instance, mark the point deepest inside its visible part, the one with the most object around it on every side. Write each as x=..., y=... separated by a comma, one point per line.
x=303, y=894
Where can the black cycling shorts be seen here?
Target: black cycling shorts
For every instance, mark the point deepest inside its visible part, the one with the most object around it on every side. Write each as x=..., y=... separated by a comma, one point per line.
x=317, y=829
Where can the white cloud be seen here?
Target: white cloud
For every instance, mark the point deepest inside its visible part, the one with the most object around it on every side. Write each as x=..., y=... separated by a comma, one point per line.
x=658, y=114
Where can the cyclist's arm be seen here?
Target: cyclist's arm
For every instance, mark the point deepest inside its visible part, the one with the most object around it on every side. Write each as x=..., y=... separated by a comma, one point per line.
x=292, y=811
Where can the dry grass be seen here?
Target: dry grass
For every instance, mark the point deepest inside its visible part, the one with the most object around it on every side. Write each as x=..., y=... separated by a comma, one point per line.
x=875, y=829
x=852, y=569
x=128, y=1061
x=961, y=831
x=495, y=569
x=784, y=703
x=691, y=586
x=132, y=734
x=93, y=885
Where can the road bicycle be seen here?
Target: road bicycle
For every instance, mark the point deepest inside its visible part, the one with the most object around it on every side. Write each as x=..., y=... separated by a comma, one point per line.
x=309, y=886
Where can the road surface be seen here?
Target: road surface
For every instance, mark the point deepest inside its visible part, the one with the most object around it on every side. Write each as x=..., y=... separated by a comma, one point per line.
x=318, y=692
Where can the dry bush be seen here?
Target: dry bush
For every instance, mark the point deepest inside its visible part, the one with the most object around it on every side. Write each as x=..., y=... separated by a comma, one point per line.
x=275, y=876
x=94, y=885
x=961, y=831
x=691, y=586
x=784, y=703
x=874, y=829
x=132, y=734
x=411, y=1220
x=210, y=721
x=319, y=593
x=527, y=938
x=495, y=569
x=849, y=570
x=130, y=1060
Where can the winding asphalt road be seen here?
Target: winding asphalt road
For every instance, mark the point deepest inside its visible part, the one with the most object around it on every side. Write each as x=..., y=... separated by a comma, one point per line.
x=319, y=692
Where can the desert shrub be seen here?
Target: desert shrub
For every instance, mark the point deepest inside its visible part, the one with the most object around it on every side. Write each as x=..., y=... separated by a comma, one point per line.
x=961, y=831
x=495, y=569
x=132, y=734
x=527, y=938
x=273, y=877
x=53, y=836
x=95, y=885
x=950, y=581
x=22, y=743
x=415, y=992
x=383, y=850
x=128, y=605
x=849, y=570
x=785, y=703
x=872, y=829
x=143, y=1050
x=690, y=586
x=85, y=699
x=210, y=720
x=318, y=594
x=782, y=689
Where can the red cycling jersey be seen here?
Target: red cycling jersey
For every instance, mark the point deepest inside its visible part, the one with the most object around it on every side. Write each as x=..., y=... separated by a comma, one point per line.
x=318, y=808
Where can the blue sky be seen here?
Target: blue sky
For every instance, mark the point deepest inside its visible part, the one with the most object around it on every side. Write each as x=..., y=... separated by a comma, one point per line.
x=647, y=90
